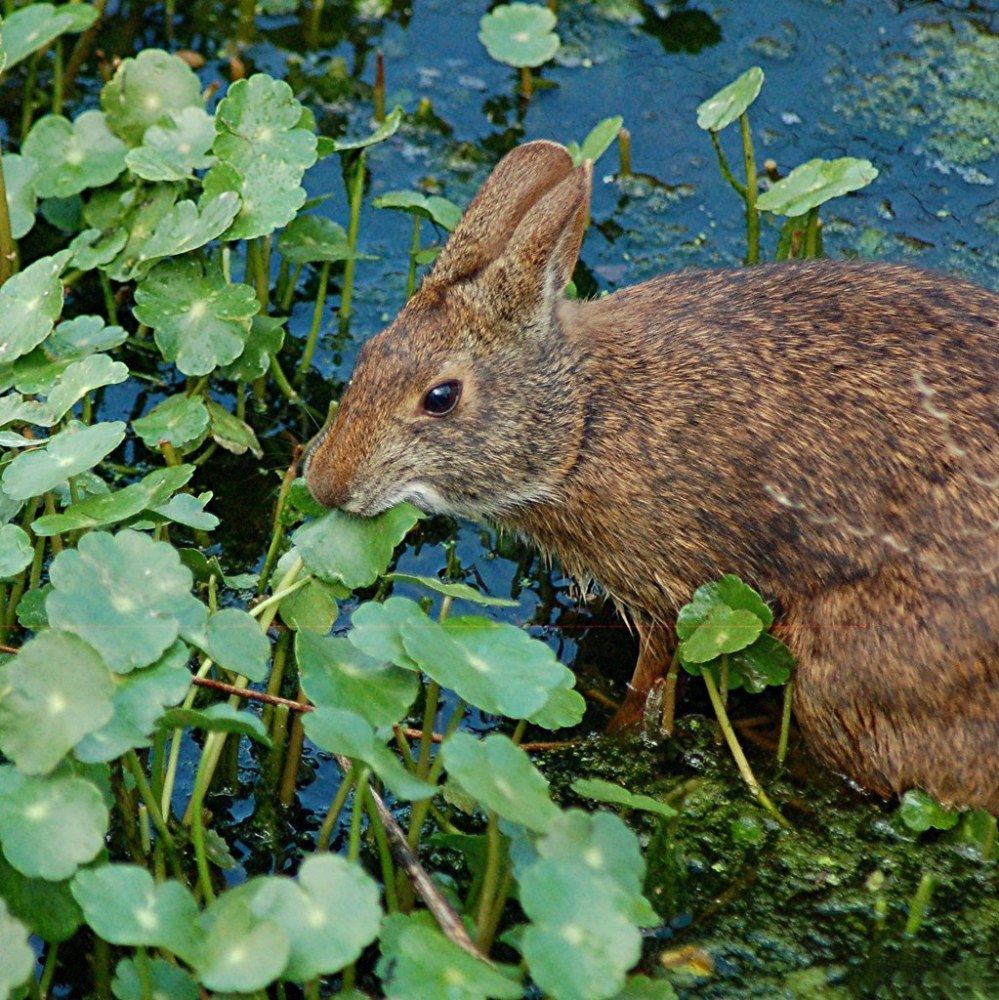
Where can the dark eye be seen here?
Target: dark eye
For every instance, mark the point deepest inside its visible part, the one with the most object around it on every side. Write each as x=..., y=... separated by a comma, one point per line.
x=442, y=399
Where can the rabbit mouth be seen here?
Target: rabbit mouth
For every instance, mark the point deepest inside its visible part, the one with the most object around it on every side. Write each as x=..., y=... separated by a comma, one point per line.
x=423, y=496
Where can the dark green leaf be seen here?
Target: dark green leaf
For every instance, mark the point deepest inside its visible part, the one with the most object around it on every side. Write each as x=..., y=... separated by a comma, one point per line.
x=606, y=791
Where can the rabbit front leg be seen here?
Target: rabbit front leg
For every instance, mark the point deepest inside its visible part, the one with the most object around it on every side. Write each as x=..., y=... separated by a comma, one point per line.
x=655, y=650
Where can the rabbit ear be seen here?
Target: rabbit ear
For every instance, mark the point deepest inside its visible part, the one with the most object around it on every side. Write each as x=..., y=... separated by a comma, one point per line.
x=537, y=262
x=514, y=187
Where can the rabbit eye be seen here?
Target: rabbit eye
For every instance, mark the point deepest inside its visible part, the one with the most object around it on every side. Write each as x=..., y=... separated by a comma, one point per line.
x=442, y=399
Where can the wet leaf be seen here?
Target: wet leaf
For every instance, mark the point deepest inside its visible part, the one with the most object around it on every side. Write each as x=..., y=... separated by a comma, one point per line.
x=181, y=420
x=69, y=382
x=599, y=140
x=188, y=510
x=93, y=248
x=235, y=642
x=47, y=908
x=440, y=211
x=606, y=791
x=420, y=963
x=459, y=591
x=166, y=980
x=74, y=156
x=767, y=662
x=348, y=733
x=377, y=629
x=184, y=228
x=564, y=707
x=126, y=595
x=52, y=694
x=50, y=826
x=499, y=775
x=492, y=665
x=145, y=89
x=37, y=25
x=112, y=508
x=310, y=238
x=20, y=175
x=263, y=153
x=82, y=336
x=125, y=906
x=175, y=147
x=266, y=339
x=519, y=34
x=68, y=453
x=230, y=432
x=920, y=812
x=337, y=674
x=730, y=102
x=385, y=130
x=313, y=607
x=240, y=952
x=199, y=319
x=354, y=551
x=18, y=955
x=218, y=718
x=724, y=630
x=16, y=551
x=312, y=909
x=731, y=592
x=578, y=945
x=814, y=183
x=30, y=303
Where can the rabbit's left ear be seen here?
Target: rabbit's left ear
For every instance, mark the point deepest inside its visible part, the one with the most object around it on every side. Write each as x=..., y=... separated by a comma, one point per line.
x=538, y=260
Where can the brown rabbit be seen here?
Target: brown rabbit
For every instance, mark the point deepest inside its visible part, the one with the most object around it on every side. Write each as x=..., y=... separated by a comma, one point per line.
x=828, y=431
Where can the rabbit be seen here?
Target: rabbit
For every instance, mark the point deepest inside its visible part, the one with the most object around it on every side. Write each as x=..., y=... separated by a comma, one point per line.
x=829, y=431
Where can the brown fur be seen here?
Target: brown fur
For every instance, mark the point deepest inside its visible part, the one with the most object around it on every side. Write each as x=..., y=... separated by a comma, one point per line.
x=828, y=431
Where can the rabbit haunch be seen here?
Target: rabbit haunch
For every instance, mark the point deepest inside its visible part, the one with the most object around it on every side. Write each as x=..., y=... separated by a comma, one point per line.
x=828, y=431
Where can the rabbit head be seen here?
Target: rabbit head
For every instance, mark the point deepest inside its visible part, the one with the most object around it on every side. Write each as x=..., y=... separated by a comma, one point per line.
x=464, y=405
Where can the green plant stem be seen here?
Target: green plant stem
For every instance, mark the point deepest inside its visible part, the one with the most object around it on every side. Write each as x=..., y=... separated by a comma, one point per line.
x=277, y=533
x=317, y=320
x=202, y=779
x=134, y=766
x=276, y=678
x=668, y=716
x=726, y=170
x=736, y=750
x=490, y=880
x=384, y=855
x=28, y=108
x=8, y=250
x=785, y=722
x=333, y=813
x=414, y=249
x=752, y=184
x=357, y=813
x=526, y=83
x=110, y=305
x=296, y=742
x=431, y=702
x=48, y=970
x=281, y=381
x=57, y=77
x=102, y=969
x=355, y=194
x=312, y=22
x=812, y=233
x=287, y=280
x=83, y=46
x=920, y=901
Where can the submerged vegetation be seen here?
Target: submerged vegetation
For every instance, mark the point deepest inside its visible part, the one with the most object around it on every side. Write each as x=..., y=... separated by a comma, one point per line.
x=188, y=636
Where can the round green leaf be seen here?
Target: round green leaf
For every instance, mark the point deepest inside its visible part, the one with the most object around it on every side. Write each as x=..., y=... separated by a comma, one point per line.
x=459, y=591
x=240, y=953
x=814, y=183
x=310, y=238
x=235, y=642
x=335, y=673
x=420, y=963
x=188, y=510
x=377, y=629
x=492, y=665
x=54, y=692
x=127, y=596
x=65, y=383
x=82, y=336
x=438, y=210
x=354, y=551
x=139, y=700
x=724, y=630
x=577, y=946
x=563, y=708
x=180, y=420
x=74, y=156
x=312, y=608
x=263, y=153
x=66, y=454
x=312, y=911
x=350, y=734
x=35, y=26
x=47, y=908
x=165, y=979
x=265, y=340
x=730, y=102
x=145, y=89
x=519, y=34
x=175, y=147
x=30, y=303
x=218, y=718
x=498, y=774
x=112, y=508
x=921, y=812
x=200, y=320
x=125, y=906
x=599, y=139
x=16, y=551
x=731, y=592
x=50, y=826
x=230, y=432
x=767, y=662
x=18, y=955
x=20, y=175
